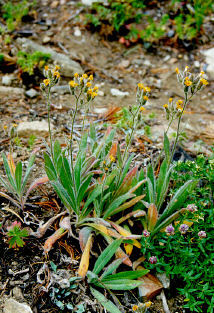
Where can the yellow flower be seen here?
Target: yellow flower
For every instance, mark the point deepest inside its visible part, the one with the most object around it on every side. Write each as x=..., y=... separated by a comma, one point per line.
x=178, y=107
x=186, y=68
x=170, y=100
x=106, y=168
x=177, y=70
x=188, y=82
x=148, y=304
x=165, y=106
x=90, y=91
x=14, y=125
x=73, y=84
x=46, y=82
x=147, y=89
x=95, y=88
x=142, y=109
x=94, y=94
x=76, y=75
x=140, y=86
x=57, y=74
x=179, y=102
x=146, y=98
x=46, y=67
x=91, y=77
x=88, y=84
x=112, y=158
x=135, y=307
x=57, y=67
x=85, y=76
x=204, y=81
x=5, y=127
x=202, y=73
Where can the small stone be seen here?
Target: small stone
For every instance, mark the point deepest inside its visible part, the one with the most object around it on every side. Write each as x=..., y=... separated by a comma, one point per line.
x=17, y=293
x=165, y=280
x=100, y=93
x=54, y=4
x=7, y=80
x=197, y=64
x=209, y=54
x=46, y=39
x=118, y=93
x=36, y=128
x=124, y=64
x=11, y=91
x=100, y=110
x=31, y=93
x=13, y=306
x=77, y=32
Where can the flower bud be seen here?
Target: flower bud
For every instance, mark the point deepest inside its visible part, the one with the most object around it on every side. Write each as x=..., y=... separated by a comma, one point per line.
x=202, y=234
x=146, y=233
x=183, y=228
x=153, y=259
x=170, y=230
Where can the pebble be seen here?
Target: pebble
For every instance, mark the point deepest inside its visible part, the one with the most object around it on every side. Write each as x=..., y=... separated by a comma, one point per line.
x=13, y=306
x=11, y=91
x=124, y=64
x=77, y=32
x=54, y=4
x=118, y=93
x=197, y=64
x=209, y=55
x=7, y=80
x=31, y=93
x=46, y=39
x=36, y=128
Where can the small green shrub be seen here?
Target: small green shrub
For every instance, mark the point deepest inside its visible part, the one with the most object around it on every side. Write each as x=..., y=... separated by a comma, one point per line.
x=28, y=62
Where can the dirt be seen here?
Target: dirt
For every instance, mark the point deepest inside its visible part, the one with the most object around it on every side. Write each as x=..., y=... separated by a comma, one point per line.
x=113, y=66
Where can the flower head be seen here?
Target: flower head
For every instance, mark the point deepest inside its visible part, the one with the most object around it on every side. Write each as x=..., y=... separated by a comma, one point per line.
x=76, y=75
x=57, y=68
x=202, y=234
x=85, y=76
x=57, y=74
x=204, y=81
x=146, y=233
x=46, y=67
x=91, y=77
x=112, y=158
x=46, y=82
x=153, y=259
x=170, y=230
x=140, y=86
x=148, y=304
x=88, y=84
x=146, y=98
x=177, y=70
x=192, y=208
x=165, y=106
x=135, y=307
x=73, y=84
x=183, y=228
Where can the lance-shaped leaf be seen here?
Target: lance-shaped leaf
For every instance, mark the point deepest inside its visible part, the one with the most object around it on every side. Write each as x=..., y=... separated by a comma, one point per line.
x=127, y=205
x=10, y=171
x=116, y=203
x=125, y=233
x=106, y=255
x=84, y=263
x=11, y=164
x=119, y=284
x=107, y=304
x=152, y=216
x=128, y=248
x=120, y=254
x=111, y=268
x=135, y=214
x=177, y=200
x=48, y=245
x=104, y=230
x=127, y=181
x=35, y=184
x=113, y=149
x=84, y=235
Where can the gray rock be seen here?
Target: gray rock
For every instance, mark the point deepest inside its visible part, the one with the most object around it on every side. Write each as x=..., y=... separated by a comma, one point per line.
x=118, y=93
x=209, y=55
x=63, y=89
x=165, y=280
x=17, y=294
x=67, y=66
x=11, y=91
x=46, y=39
x=7, y=80
x=13, y=306
x=90, y=2
x=36, y=128
x=31, y=93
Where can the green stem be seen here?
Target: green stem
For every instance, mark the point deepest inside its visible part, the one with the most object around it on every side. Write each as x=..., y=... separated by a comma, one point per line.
x=178, y=127
x=49, y=123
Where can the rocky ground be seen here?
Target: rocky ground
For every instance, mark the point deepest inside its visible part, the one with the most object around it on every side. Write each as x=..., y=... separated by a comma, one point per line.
x=117, y=70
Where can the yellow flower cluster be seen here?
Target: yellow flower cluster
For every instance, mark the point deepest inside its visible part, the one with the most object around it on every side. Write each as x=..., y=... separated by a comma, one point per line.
x=187, y=81
x=85, y=82
x=204, y=81
x=52, y=76
x=46, y=82
x=112, y=158
x=142, y=95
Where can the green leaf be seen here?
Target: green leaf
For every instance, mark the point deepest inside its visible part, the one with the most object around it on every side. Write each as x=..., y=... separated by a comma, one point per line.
x=111, y=268
x=50, y=168
x=83, y=188
x=178, y=199
x=93, y=134
x=64, y=196
x=119, y=284
x=150, y=191
x=119, y=156
x=106, y=255
x=126, y=168
x=18, y=176
x=95, y=193
x=8, y=172
x=116, y=203
x=57, y=155
x=53, y=266
x=127, y=275
x=28, y=171
x=107, y=304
